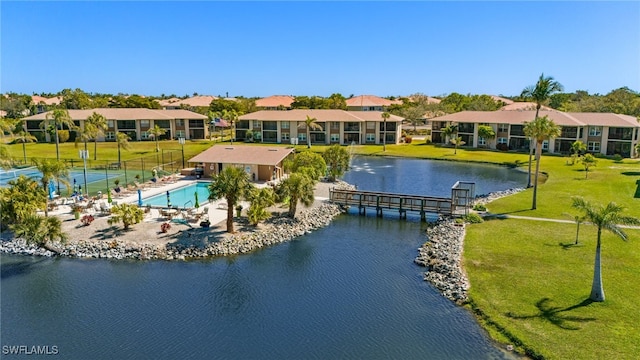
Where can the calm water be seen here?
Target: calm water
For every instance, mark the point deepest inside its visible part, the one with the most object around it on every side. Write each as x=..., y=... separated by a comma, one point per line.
x=348, y=291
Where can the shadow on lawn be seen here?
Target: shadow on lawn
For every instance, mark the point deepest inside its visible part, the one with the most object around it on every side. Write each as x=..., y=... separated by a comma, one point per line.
x=554, y=314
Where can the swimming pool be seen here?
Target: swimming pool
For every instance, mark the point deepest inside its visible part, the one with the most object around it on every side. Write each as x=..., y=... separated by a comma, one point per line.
x=181, y=197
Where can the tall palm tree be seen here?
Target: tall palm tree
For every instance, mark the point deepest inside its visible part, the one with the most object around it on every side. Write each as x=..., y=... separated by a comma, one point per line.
x=540, y=130
x=604, y=218
x=233, y=184
x=156, y=132
x=52, y=170
x=40, y=230
x=232, y=117
x=451, y=131
x=123, y=142
x=310, y=123
x=540, y=93
x=24, y=137
x=297, y=187
x=98, y=124
x=56, y=120
x=385, y=116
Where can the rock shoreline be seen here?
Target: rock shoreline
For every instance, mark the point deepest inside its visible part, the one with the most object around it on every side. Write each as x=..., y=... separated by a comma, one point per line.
x=192, y=243
x=442, y=253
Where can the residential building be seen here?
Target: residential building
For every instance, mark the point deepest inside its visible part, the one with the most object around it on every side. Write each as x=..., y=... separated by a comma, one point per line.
x=370, y=103
x=275, y=102
x=336, y=127
x=603, y=133
x=192, y=102
x=133, y=122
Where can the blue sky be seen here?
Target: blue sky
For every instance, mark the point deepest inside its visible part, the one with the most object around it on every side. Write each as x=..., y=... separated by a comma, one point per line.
x=317, y=48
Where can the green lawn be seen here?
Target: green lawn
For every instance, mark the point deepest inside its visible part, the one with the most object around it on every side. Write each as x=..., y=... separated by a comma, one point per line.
x=528, y=277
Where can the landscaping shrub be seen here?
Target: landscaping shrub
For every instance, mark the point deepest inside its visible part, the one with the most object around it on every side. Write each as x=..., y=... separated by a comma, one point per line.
x=408, y=139
x=63, y=136
x=473, y=218
x=87, y=220
x=479, y=207
x=165, y=227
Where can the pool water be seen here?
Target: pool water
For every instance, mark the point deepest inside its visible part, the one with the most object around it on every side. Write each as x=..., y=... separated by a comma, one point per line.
x=181, y=197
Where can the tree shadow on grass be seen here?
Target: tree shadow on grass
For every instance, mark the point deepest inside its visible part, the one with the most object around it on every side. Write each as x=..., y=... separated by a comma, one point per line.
x=554, y=314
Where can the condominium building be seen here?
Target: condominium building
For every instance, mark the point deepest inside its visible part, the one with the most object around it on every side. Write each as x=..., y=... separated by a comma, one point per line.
x=136, y=123
x=335, y=127
x=603, y=133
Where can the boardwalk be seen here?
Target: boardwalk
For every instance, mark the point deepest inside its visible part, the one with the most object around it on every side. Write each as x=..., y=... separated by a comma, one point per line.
x=457, y=205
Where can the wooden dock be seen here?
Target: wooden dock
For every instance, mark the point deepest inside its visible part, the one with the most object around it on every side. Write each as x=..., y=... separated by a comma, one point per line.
x=457, y=205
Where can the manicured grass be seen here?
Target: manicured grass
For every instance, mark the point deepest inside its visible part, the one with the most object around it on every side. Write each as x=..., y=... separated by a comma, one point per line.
x=528, y=277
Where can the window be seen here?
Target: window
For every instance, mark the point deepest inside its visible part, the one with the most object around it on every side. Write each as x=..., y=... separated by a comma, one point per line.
x=371, y=137
x=257, y=124
x=110, y=135
x=163, y=124
x=285, y=136
x=503, y=128
x=502, y=140
x=545, y=145
x=302, y=137
x=482, y=141
x=285, y=125
x=126, y=124
x=144, y=135
x=595, y=130
x=110, y=124
x=335, y=126
x=180, y=122
x=593, y=146
x=144, y=124
x=335, y=137
x=180, y=134
x=371, y=125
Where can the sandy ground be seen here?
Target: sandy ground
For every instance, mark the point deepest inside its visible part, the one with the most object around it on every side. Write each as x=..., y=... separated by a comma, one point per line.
x=148, y=231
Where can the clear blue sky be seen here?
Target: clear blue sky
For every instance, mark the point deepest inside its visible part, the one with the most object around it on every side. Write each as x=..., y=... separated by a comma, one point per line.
x=314, y=48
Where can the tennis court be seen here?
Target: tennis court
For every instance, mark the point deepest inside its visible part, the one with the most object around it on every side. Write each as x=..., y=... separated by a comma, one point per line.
x=93, y=176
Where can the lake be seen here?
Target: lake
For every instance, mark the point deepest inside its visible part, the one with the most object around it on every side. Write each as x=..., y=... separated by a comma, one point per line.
x=347, y=291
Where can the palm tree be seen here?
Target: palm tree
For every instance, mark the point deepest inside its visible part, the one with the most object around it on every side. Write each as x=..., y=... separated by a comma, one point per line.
x=128, y=214
x=156, y=132
x=24, y=196
x=577, y=148
x=385, y=116
x=232, y=117
x=540, y=130
x=457, y=141
x=6, y=126
x=451, y=131
x=40, y=230
x=540, y=93
x=56, y=120
x=311, y=123
x=123, y=142
x=98, y=124
x=604, y=218
x=486, y=132
x=52, y=170
x=588, y=161
x=24, y=137
x=233, y=184
x=297, y=187
x=260, y=200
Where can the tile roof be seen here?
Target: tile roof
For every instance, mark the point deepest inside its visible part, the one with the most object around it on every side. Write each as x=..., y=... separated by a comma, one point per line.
x=242, y=154
x=200, y=100
x=321, y=114
x=275, y=101
x=558, y=117
x=522, y=105
x=504, y=100
x=370, y=100
x=47, y=101
x=127, y=114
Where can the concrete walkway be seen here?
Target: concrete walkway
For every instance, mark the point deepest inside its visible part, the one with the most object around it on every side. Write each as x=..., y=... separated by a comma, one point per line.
x=507, y=216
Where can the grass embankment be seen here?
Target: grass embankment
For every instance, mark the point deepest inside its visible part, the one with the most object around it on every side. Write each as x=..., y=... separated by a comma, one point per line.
x=526, y=278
